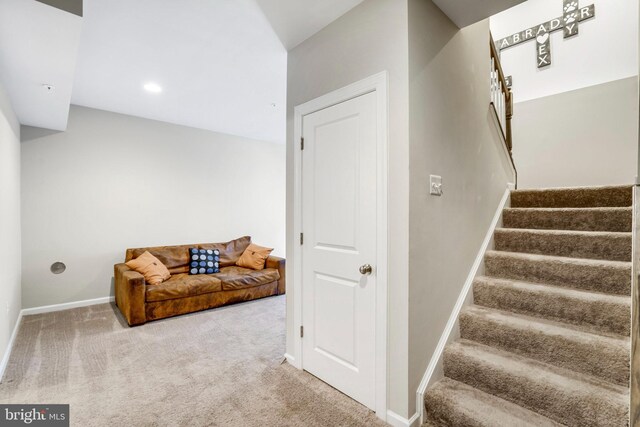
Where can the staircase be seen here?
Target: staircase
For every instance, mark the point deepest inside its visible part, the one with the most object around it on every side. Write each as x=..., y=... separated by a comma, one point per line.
x=547, y=341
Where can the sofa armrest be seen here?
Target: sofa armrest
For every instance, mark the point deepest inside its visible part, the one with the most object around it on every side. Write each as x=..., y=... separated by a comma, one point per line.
x=130, y=294
x=280, y=265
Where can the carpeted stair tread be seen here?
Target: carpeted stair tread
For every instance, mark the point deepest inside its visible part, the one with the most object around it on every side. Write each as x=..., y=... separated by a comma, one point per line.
x=550, y=342
x=579, y=219
x=612, y=246
x=565, y=396
x=451, y=403
x=591, y=311
x=573, y=197
x=611, y=277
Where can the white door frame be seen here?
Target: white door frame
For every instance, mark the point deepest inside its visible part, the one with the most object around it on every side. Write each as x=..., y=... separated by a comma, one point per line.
x=377, y=83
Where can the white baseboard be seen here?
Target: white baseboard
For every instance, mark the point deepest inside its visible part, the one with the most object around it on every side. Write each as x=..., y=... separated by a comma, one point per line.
x=292, y=360
x=40, y=310
x=7, y=353
x=66, y=306
x=462, y=301
x=397, y=421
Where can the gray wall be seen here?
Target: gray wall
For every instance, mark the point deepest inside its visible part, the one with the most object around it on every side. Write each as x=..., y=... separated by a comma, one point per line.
x=371, y=38
x=10, y=297
x=112, y=181
x=453, y=135
x=580, y=138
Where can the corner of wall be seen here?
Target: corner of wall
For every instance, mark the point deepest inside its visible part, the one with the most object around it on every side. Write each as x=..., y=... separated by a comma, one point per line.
x=451, y=135
x=10, y=228
x=377, y=34
x=451, y=332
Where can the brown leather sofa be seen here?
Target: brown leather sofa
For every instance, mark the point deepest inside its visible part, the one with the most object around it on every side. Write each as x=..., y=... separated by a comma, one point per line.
x=184, y=293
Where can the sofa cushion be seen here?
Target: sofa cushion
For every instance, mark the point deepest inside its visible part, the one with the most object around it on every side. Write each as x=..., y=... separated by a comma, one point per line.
x=183, y=285
x=238, y=277
x=176, y=258
x=229, y=251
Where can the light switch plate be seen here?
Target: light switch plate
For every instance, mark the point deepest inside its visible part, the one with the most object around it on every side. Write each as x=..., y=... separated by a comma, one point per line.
x=435, y=185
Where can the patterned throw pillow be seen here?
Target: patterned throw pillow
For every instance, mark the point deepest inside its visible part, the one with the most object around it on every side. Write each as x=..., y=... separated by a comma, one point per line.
x=204, y=261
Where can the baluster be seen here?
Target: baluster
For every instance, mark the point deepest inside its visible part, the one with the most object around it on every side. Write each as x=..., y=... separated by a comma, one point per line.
x=504, y=110
x=500, y=104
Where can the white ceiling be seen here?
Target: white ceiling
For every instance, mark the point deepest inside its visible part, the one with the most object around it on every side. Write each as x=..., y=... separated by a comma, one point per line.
x=222, y=64
x=38, y=45
x=467, y=12
x=296, y=20
x=219, y=62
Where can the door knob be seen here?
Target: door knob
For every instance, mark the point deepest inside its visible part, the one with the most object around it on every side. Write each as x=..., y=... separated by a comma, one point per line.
x=366, y=269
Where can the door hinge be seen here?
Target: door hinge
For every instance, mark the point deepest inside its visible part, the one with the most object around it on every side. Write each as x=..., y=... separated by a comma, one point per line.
x=301, y=143
x=301, y=331
x=301, y=238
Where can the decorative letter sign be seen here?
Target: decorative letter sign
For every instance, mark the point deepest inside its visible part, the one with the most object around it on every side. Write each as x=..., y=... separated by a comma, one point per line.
x=572, y=15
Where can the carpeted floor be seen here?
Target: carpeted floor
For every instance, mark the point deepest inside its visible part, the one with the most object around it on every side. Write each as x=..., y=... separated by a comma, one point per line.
x=221, y=367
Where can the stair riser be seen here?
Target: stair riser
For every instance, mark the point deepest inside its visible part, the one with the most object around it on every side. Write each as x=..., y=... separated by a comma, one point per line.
x=606, y=247
x=437, y=416
x=573, y=198
x=601, y=316
x=605, y=279
x=606, y=360
x=618, y=220
x=450, y=403
x=569, y=406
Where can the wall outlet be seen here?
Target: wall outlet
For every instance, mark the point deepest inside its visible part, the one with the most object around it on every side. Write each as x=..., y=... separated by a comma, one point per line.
x=435, y=185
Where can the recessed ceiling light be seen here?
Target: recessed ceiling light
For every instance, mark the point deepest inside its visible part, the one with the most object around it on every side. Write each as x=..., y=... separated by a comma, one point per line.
x=153, y=88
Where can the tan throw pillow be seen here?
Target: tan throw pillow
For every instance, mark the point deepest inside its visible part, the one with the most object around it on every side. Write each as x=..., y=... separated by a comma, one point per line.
x=254, y=257
x=150, y=267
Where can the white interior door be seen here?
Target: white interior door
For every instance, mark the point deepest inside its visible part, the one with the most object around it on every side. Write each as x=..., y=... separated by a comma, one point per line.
x=339, y=230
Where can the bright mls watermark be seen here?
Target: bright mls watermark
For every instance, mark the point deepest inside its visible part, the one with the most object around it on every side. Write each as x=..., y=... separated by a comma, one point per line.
x=34, y=415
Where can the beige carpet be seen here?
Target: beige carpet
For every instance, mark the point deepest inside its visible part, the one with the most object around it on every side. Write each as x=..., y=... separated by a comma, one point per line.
x=216, y=368
x=547, y=341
